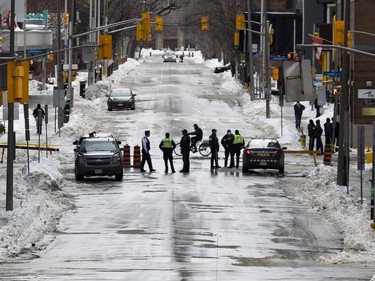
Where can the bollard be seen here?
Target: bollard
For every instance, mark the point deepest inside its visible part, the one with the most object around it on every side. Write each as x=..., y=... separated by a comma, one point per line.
x=126, y=156
x=137, y=157
x=368, y=157
x=327, y=154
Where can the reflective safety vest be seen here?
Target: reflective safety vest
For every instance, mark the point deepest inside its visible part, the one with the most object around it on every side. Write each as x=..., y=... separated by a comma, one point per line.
x=167, y=143
x=238, y=139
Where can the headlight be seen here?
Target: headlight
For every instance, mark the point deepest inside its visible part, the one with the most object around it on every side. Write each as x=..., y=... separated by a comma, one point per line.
x=116, y=158
x=80, y=159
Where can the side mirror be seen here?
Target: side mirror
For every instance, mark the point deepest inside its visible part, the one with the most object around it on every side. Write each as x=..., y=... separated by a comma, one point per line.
x=119, y=142
x=285, y=148
x=75, y=142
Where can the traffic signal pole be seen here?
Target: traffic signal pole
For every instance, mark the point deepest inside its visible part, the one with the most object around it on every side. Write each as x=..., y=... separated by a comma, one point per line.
x=11, y=134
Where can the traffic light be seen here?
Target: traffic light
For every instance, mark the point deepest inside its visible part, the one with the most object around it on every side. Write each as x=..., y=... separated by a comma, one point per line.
x=140, y=32
x=66, y=19
x=105, y=47
x=349, y=43
x=271, y=33
x=236, y=39
x=159, y=23
x=338, y=32
x=50, y=56
x=240, y=21
x=290, y=56
x=205, y=22
x=147, y=22
x=18, y=81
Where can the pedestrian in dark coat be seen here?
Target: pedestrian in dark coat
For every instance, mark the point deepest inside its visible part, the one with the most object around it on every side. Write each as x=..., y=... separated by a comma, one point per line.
x=39, y=114
x=227, y=142
x=238, y=143
x=318, y=136
x=298, y=110
x=311, y=132
x=185, y=151
x=167, y=145
x=336, y=131
x=328, y=131
x=213, y=142
x=146, y=157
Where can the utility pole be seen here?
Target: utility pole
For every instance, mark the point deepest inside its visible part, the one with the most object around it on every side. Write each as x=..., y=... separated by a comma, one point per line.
x=343, y=153
x=11, y=134
x=266, y=71
x=250, y=48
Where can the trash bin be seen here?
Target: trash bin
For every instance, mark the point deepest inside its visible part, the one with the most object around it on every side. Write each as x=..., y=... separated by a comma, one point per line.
x=82, y=88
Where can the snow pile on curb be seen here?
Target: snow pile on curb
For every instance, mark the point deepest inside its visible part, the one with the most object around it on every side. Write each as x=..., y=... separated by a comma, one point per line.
x=42, y=203
x=344, y=211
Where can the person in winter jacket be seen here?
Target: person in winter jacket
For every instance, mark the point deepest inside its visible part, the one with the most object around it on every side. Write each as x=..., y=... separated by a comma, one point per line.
x=167, y=145
x=318, y=136
x=298, y=110
x=328, y=131
x=214, y=146
x=311, y=132
x=238, y=143
x=227, y=142
x=185, y=151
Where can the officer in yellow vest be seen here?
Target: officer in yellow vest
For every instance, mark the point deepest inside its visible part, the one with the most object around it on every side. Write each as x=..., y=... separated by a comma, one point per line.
x=238, y=143
x=167, y=145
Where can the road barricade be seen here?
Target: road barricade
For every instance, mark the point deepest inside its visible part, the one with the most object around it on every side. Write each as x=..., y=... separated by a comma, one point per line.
x=137, y=157
x=126, y=157
x=327, y=154
x=312, y=152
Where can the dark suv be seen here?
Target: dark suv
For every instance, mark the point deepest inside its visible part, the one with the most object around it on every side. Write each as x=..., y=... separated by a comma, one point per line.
x=99, y=157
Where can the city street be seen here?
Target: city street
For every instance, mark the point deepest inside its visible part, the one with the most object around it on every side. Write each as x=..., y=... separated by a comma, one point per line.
x=206, y=225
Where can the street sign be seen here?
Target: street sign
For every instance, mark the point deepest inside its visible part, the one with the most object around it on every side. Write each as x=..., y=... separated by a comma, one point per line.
x=366, y=93
x=332, y=74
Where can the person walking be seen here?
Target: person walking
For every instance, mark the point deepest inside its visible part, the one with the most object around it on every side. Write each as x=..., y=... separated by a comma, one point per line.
x=298, y=110
x=198, y=136
x=318, y=136
x=227, y=142
x=146, y=157
x=39, y=114
x=238, y=143
x=214, y=146
x=311, y=132
x=167, y=145
x=185, y=151
x=328, y=131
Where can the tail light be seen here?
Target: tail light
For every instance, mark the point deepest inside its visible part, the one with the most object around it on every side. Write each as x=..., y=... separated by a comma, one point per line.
x=248, y=151
x=278, y=152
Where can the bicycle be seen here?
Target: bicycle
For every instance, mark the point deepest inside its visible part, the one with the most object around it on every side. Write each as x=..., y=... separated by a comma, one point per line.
x=203, y=148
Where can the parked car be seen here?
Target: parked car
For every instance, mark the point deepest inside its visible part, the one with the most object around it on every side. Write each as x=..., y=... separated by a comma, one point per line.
x=98, y=156
x=263, y=153
x=170, y=56
x=220, y=69
x=121, y=98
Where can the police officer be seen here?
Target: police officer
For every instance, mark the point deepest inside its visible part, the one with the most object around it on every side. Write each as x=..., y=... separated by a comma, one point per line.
x=214, y=146
x=185, y=151
x=146, y=157
x=167, y=145
x=227, y=142
x=238, y=143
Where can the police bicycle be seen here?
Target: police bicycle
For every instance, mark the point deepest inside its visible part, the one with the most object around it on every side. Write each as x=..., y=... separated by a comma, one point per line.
x=203, y=148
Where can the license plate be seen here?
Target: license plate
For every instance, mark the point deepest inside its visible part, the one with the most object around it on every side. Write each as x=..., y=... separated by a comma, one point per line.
x=120, y=104
x=98, y=172
x=263, y=163
x=263, y=154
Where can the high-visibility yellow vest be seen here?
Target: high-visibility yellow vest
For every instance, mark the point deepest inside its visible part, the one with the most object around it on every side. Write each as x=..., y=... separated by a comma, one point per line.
x=238, y=139
x=167, y=143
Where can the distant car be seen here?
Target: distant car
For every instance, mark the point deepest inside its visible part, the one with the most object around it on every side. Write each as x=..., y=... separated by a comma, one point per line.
x=97, y=156
x=170, y=56
x=220, y=69
x=263, y=153
x=121, y=98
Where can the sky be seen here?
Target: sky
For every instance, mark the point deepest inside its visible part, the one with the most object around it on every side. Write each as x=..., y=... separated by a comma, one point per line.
x=37, y=207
